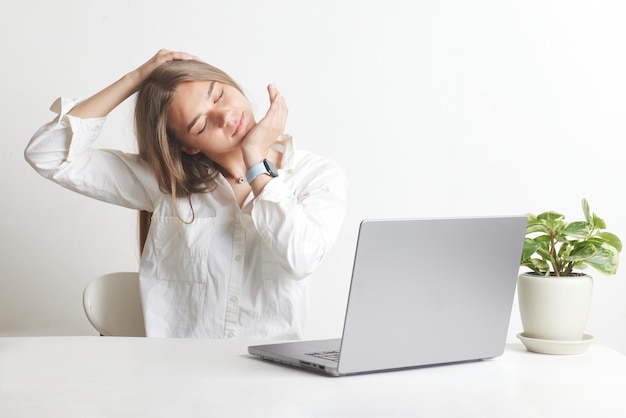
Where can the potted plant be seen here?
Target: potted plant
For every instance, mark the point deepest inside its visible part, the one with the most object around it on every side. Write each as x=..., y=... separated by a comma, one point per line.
x=555, y=295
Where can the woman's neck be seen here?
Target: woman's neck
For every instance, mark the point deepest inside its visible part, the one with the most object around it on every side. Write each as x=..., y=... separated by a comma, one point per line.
x=231, y=165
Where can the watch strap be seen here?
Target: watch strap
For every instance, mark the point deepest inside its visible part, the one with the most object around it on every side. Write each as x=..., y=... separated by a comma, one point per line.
x=263, y=167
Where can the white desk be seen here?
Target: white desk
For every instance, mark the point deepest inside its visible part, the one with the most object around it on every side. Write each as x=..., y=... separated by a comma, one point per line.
x=136, y=377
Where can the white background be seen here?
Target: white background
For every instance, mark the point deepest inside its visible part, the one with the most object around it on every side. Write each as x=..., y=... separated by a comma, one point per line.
x=434, y=108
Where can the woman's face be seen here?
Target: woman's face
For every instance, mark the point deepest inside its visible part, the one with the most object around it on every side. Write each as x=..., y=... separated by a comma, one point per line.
x=210, y=117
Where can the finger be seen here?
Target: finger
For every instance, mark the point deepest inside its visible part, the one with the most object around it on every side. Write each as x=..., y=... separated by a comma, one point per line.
x=275, y=121
x=181, y=56
x=277, y=110
x=277, y=100
x=165, y=55
x=273, y=92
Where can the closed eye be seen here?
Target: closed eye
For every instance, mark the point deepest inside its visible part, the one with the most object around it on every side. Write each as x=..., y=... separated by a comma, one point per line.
x=215, y=101
x=203, y=127
x=219, y=97
x=209, y=95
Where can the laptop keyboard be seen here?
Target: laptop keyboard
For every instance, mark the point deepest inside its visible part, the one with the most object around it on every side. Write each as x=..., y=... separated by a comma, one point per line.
x=326, y=355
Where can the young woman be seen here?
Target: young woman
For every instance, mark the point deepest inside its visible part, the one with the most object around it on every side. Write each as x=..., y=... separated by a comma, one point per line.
x=240, y=218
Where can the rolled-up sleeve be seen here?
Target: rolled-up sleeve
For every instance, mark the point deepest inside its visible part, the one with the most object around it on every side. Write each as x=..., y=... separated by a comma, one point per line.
x=62, y=151
x=299, y=214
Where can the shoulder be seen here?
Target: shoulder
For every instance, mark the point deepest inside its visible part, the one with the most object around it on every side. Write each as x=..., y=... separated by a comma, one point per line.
x=316, y=170
x=310, y=159
x=309, y=166
x=294, y=157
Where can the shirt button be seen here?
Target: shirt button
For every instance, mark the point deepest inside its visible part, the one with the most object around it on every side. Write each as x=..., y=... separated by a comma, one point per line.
x=230, y=334
x=238, y=258
x=234, y=299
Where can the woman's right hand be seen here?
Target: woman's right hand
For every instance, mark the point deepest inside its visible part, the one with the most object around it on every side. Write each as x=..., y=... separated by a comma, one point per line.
x=103, y=102
x=161, y=57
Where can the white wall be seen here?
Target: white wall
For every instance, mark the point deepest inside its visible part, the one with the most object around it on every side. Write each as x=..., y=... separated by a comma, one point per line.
x=434, y=108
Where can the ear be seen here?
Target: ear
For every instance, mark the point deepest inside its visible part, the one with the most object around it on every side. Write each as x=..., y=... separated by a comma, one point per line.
x=189, y=150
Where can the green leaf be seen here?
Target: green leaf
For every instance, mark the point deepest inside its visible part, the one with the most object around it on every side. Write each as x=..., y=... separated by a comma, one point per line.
x=605, y=260
x=598, y=223
x=553, y=246
x=536, y=227
x=537, y=265
x=530, y=246
x=542, y=240
x=581, y=251
x=578, y=229
x=552, y=220
x=543, y=243
x=566, y=248
x=586, y=211
x=550, y=216
x=611, y=239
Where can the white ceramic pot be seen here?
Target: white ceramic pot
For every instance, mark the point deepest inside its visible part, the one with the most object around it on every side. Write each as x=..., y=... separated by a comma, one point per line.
x=554, y=308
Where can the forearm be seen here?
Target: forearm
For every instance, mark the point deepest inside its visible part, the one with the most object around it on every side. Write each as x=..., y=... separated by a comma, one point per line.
x=300, y=229
x=103, y=102
x=258, y=143
x=62, y=151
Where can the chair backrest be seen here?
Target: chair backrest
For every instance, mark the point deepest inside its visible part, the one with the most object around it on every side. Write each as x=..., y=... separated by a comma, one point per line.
x=112, y=304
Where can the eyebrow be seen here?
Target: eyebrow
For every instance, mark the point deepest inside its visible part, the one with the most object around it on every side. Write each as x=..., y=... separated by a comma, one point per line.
x=193, y=122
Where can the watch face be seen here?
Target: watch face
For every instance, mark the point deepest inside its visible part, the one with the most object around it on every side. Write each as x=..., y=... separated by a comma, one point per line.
x=271, y=168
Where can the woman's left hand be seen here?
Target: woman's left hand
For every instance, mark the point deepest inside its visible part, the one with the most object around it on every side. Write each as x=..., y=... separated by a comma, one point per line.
x=267, y=131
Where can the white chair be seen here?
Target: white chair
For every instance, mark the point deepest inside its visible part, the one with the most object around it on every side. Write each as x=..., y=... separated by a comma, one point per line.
x=113, y=306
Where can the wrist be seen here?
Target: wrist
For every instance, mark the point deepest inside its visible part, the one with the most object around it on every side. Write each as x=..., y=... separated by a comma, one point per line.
x=252, y=158
x=133, y=80
x=264, y=167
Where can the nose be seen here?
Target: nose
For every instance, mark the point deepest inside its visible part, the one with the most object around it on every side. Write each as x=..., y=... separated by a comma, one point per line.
x=220, y=116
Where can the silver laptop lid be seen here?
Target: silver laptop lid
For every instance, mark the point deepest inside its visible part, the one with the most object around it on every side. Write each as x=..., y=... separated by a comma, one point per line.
x=430, y=291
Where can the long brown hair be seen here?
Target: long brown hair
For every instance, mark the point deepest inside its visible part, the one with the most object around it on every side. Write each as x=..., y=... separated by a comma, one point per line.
x=176, y=172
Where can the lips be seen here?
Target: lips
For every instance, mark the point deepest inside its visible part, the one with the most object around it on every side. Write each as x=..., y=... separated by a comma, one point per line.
x=239, y=125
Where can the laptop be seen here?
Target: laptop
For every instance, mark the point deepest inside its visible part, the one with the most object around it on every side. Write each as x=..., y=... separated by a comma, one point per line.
x=423, y=292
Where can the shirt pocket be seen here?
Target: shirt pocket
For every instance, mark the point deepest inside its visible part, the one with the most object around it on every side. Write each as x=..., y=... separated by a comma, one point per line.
x=181, y=250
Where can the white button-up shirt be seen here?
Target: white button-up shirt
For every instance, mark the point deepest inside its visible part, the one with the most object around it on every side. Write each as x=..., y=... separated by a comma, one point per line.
x=232, y=272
